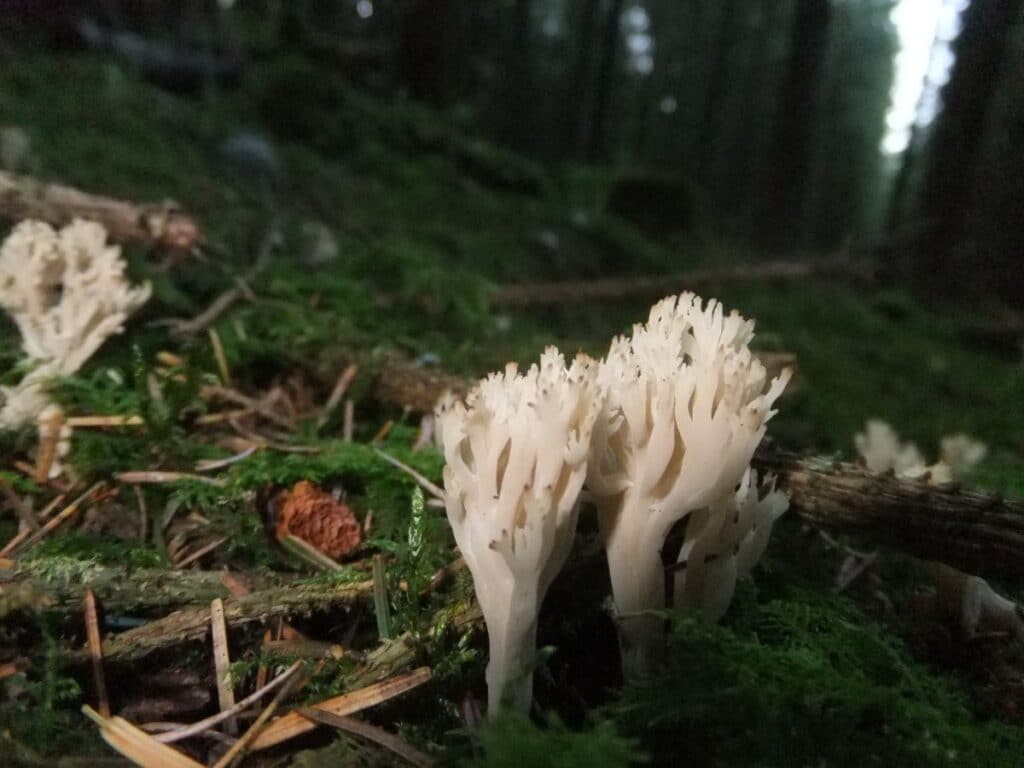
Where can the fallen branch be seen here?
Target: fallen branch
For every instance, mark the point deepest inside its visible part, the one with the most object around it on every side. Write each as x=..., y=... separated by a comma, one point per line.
x=978, y=533
x=404, y=384
x=140, y=592
x=576, y=291
x=160, y=225
x=192, y=624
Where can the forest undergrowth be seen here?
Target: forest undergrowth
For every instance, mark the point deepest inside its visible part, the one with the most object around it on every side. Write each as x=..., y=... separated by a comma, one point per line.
x=389, y=227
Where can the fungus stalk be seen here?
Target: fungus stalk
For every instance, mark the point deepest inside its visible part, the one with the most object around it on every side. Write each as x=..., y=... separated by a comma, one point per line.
x=687, y=406
x=516, y=458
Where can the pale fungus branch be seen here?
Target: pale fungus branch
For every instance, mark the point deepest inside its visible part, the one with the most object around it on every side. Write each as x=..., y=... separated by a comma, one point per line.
x=687, y=406
x=516, y=454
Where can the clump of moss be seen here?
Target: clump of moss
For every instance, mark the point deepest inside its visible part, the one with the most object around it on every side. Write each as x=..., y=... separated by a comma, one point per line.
x=805, y=680
x=512, y=740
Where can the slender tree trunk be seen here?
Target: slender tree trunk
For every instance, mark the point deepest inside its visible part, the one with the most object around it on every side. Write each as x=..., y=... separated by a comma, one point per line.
x=717, y=83
x=957, y=139
x=597, y=143
x=575, y=128
x=792, y=143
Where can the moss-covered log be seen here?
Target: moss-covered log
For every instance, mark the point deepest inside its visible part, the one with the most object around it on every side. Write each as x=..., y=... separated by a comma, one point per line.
x=979, y=533
x=60, y=583
x=193, y=624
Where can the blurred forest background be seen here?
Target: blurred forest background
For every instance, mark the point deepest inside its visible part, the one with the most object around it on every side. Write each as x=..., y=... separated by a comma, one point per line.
x=377, y=200
x=887, y=126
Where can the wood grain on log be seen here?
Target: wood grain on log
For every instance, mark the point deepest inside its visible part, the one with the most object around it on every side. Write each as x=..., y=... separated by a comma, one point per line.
x=978, y=533
x=147, y=224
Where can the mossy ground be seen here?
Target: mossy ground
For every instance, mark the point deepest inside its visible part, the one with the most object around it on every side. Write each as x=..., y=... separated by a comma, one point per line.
x=426, y=218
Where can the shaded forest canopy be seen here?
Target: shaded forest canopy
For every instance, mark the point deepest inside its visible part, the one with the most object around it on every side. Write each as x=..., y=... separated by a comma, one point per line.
x=370, y=182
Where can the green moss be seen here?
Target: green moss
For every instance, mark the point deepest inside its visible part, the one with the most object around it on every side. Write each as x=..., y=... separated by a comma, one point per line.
x=512, y=740
x=805, y=680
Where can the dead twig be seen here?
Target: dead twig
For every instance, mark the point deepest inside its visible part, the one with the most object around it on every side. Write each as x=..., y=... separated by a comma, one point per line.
x=147, y=476
x=21, y=509
x=92, y=632
x=369, y=732
x=241, y=746
x=201, y=552
x=294, y=724
x=421, y=480
x=222, y=663
x=340, y=388
x=212, y=721
x=70, y=511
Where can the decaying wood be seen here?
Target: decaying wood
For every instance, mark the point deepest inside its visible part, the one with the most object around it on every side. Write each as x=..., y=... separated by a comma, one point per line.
x=146, y=224
x=141, y=592
x=978, y=533
x=574, y=291
x=404, y=384
x=192, y=624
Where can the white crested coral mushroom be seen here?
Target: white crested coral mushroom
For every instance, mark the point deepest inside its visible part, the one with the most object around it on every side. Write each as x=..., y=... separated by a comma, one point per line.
x=67, y=292
x=686, y=408
x=882, y=451
x=724, y=542
x=516, y=458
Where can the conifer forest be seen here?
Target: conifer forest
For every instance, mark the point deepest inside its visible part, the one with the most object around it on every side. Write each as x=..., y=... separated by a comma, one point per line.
x=513, y=383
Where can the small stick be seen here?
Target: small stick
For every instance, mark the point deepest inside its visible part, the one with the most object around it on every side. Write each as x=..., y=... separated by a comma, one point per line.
x=222, y=663
x=209, y=465
x=369, y=732
x=380, y=598
x=56, y=521
x=293, y=724
x=49, y=437
x=199, y=553
x=226, y=393
x=146, y=476
x=16, y=541
x=213, y=720
x=221, y=358
x=24, y=512
x=140, y=497
x=170, y=359
x=115, y=420
x=310, y=554
x=92, y=632
x=240, y=747
x=383, y=432
x=137, y=745
x=216, y=418
x=340, y=388
x=420, y=479
x=349, y=426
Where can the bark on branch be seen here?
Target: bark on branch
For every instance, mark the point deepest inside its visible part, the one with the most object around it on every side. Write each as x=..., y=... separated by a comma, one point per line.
x=193, y=624
x=978, y=533
x=574, y=291
x=160, y=225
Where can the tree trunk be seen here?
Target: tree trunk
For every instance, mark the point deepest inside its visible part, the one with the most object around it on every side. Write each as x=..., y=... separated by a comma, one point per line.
x=597, y=143
x=717, y=84
x=792, y=143
x=576, y=126
x=955, y=145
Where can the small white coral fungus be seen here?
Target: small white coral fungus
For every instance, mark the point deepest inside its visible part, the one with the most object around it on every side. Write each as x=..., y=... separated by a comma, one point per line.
x=724, y=542
x=67, y=292
x=516, y=455
x=686, y=408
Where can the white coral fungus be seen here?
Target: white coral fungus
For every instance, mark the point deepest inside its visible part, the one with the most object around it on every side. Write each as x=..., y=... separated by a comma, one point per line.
x=686, y=408
x=516, y=455
x=882, y=451
x=67, y=292
x=724, y=542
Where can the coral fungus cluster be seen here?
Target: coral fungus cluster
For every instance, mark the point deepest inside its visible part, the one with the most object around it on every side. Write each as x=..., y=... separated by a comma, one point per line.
x=662, y=431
